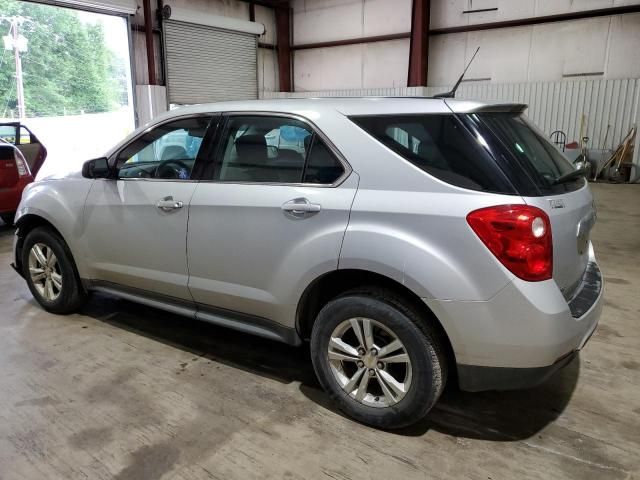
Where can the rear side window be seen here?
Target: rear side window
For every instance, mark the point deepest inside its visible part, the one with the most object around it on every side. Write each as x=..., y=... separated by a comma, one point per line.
x=441, y=146
x=322, y=166
x=265, y=149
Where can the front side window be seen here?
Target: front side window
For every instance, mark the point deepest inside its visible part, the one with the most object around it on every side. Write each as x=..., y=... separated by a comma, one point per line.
x=264, y=149
x=439, y=145
x=168, y=151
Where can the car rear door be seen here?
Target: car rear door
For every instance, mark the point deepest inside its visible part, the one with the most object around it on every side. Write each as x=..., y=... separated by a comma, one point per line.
x=136, y=225
x=270, y=219
x=33, y=151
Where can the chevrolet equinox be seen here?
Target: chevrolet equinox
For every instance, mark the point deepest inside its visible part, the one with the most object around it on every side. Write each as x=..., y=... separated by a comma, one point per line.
x=410, y=241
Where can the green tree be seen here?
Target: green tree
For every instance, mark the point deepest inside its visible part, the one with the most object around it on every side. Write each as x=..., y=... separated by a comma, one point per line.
x=67, y=68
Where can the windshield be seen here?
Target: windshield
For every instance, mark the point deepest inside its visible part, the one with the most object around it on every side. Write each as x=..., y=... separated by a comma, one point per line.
x=542, y=161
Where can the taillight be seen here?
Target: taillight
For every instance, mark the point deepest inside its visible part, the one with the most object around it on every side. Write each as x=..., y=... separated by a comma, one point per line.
x=519, y=236
x=23, y=168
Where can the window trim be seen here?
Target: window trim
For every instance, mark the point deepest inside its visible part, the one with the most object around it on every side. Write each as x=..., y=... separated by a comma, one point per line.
x=210, y=135
x=223, y=129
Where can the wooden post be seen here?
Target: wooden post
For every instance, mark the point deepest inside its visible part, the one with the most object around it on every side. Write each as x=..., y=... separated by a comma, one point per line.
x=283, y=36
x=419, y=46
x=148, y=38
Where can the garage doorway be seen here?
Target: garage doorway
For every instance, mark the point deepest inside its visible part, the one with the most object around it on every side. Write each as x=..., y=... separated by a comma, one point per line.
x=75, y=79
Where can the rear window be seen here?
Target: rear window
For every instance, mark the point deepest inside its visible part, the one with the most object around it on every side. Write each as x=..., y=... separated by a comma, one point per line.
x=536, y=155
x=439, y=145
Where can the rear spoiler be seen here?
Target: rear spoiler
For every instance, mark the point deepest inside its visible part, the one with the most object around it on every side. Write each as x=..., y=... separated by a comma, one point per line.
x=500, y=107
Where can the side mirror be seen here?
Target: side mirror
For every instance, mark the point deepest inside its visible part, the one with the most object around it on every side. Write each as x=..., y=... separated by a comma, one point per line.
x=96, y=168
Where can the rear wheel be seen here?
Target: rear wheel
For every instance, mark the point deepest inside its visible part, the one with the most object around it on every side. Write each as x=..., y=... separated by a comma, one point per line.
x=380, y=362
x=48, y=267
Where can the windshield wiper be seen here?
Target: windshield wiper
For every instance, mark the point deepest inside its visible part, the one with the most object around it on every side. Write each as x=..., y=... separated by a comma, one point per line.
x=567, y=177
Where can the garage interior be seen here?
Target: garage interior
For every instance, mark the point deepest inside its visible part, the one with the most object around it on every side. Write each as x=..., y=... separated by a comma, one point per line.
x=129, y=392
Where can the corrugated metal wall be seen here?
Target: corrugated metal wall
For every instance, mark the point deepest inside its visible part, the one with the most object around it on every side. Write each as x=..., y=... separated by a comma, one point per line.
x=552, y=105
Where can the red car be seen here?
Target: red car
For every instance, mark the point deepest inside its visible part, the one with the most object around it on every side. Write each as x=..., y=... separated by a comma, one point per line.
x=21, y=156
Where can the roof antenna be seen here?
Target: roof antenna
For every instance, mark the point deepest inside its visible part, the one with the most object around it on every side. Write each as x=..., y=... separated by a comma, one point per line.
x=452, y=93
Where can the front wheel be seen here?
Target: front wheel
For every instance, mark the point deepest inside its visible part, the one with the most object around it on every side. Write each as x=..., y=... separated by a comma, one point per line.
x=378, y=359
x=48, y=267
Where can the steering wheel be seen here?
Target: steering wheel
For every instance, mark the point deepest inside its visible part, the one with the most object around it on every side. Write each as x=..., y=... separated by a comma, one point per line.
x=169, y=166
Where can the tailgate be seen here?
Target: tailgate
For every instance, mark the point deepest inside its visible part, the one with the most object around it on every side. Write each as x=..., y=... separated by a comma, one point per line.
x=572, y=217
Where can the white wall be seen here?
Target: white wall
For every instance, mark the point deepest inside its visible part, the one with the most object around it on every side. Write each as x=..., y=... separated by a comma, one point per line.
x=546, y=52
x=448, y=13
x=607, y=46
x=380, y=64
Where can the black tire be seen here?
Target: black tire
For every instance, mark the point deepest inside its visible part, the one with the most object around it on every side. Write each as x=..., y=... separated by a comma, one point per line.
x=71, y=295
x=7, y=218
x=421, y=341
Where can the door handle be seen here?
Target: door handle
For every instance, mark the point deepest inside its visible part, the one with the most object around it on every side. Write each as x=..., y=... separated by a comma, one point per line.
x=300, y=206
x=168, y=204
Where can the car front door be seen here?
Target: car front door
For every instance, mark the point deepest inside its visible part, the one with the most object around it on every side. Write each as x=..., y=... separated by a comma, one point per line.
x=270, y=219
x=136, y=225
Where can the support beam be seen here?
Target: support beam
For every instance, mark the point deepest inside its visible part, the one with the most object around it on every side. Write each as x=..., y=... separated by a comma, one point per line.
x=419, y=47
x=352, y=41
x=283, y=36
x=148, y=38
x=521, y=22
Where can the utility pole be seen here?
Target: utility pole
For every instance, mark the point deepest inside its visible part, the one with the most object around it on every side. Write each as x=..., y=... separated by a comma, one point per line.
x=16, y=42
x=19, y=82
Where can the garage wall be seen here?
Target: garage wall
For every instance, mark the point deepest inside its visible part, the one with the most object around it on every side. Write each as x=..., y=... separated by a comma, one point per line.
x=380, y=64
x=605, y=47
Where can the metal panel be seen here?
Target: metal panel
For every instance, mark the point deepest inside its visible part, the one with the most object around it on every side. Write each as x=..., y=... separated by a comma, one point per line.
x=206, y=64
x=552, y=105
x=112, y=7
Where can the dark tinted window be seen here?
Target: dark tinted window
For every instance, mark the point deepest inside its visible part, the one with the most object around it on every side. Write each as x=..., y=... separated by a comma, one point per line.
x=441, y=146
x=322, y=165
x=263, y=149
x=535, y=154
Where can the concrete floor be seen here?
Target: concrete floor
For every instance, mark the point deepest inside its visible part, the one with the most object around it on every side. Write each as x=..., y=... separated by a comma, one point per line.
x=127, y=392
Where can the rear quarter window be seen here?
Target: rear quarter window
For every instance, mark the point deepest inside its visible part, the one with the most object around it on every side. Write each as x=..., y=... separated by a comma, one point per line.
x=439, y=145
x=531, y=150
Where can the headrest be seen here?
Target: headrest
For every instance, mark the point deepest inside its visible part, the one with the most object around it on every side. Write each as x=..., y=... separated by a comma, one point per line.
x=252, y=149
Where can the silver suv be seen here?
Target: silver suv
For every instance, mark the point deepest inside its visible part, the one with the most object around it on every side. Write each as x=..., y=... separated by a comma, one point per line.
x=411, y=241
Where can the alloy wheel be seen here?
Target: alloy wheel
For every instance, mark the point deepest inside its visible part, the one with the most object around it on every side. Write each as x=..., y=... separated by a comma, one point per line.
x=45, y=272
x=369, y=362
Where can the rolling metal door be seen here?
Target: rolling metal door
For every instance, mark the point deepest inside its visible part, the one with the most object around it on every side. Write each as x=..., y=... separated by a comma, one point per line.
x=207, y=64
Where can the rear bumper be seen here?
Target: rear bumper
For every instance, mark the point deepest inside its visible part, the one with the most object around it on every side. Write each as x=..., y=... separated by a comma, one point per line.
x=473, y=378
x=524, y=334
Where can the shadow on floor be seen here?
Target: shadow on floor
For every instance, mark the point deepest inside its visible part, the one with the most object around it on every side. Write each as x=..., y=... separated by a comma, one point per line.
x=5, y=230
x=496, y=416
